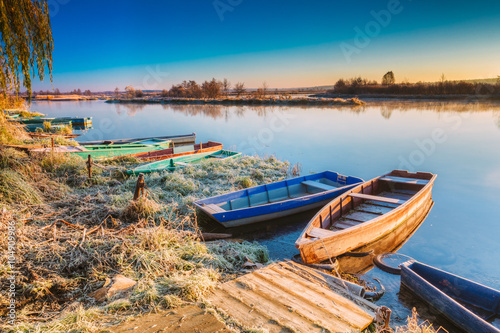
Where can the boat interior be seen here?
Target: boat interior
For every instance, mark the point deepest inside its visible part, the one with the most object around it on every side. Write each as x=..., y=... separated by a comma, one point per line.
x=138, y=144
x=367, y=202
x=180, y=149
x=277, y=192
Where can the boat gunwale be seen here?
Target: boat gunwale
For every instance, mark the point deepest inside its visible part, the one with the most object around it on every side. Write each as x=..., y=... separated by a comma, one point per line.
x=302, y=240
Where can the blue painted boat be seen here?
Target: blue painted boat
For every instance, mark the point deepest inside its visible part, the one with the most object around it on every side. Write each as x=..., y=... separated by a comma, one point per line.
x=469, y=305
x=271, y=201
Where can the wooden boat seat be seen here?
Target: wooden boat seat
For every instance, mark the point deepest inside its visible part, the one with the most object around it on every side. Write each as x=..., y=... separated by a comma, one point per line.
x=213, y=209
x=320, y=233
x=377, y=198
x=318, y=185
x=405, y=180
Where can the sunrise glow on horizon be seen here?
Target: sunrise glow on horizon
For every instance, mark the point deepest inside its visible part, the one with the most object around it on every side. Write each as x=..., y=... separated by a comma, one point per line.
x=155, y=44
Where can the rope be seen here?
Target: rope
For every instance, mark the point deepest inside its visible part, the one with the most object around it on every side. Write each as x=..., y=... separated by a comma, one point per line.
x=337, y=272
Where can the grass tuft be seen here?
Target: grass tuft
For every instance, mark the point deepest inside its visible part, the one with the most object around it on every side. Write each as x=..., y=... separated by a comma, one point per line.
x=14, y=189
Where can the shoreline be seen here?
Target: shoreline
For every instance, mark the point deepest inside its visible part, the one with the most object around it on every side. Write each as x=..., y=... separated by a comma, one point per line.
x=393, y=97
x=249, y=101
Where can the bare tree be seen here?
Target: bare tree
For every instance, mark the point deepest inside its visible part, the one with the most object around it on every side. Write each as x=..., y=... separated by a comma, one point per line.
x=117, y=92
x=212, y=89
x=239, y=89
x=226, y=85
x=130, y=91
x=262, y=91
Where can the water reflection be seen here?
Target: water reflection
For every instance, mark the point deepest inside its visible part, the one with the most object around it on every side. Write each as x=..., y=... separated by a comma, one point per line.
x=386, y=108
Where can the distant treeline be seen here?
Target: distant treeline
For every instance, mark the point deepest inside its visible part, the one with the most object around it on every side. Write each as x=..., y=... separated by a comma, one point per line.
x=208, y=89
x=358, y=86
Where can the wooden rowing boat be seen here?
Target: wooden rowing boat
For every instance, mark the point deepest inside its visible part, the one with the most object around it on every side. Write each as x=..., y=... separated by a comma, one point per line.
x=180, y=162
x=279, y=199
x=177, y=140
x=366, y=213
x=77, y=121
x=107, y=151
x=469, y=305
x=163, y=154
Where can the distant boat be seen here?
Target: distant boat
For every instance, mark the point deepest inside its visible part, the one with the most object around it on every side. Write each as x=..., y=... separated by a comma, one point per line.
x=177, y=140
x=33, y=128
x=108, y=151
x=470, y=305
x=163, y=154
x=366, y=213
x=75, y=121
x=279, y=199
x=50, y=135
x=180, y=162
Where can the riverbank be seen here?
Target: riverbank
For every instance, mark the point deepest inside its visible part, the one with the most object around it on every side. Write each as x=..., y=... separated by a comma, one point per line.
x=74, y=234
x=399, y=97
x=301, y=101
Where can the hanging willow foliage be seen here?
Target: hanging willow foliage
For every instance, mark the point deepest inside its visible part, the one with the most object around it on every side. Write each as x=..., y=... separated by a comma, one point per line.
x=25, y=43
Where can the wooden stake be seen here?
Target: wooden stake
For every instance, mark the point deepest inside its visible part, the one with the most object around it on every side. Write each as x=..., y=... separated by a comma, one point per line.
x=89, y=165
x=139, y=187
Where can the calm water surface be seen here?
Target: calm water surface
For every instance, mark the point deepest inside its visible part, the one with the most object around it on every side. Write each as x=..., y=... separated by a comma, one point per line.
x=458, y=141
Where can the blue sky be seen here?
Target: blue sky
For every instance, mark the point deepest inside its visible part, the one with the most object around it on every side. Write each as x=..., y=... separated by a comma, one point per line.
x=100, y=45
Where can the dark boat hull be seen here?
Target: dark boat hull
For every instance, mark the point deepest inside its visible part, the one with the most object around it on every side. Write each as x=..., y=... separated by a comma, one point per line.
x=443, y=290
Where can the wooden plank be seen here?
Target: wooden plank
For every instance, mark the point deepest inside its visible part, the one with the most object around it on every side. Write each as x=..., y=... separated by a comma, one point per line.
x=213, y=209
x=324, y=279
x=381, y=204
x=267, y=307
x=244, y=313
x=349, y=311
x=392, y=195
x=376, y=198
x=349, y=221
x=317, y=309
x=407, y=192
x=361, y=216
x=404, y=180
x=374, y=209
x=319, y=233
x=342, y=225
x=318, y=185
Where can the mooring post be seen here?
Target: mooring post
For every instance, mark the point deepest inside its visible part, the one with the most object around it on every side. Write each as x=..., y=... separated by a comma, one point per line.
x=139, y=187
x=89, y=165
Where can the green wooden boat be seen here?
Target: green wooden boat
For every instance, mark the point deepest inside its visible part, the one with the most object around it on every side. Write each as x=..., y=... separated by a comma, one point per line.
x=107, y=151
x=32, y=128
x=79, y=121
x=172, y=164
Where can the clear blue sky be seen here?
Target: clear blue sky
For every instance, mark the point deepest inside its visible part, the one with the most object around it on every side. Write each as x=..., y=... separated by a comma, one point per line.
x=100, y=45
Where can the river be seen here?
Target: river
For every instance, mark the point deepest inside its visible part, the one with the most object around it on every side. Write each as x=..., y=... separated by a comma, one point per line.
x=459, y=141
